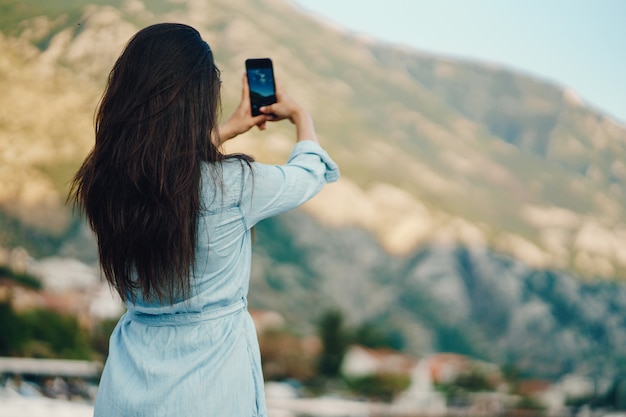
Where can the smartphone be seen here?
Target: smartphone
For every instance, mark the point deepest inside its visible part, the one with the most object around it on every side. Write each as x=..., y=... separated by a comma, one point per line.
x=261, y=83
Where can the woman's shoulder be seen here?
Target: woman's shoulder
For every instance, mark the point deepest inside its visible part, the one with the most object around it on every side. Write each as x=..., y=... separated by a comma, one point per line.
x=229, y=168
x=224, y=181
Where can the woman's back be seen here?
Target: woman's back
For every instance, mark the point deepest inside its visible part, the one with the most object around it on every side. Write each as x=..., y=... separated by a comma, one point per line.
x=173, y=218
x=206, y=345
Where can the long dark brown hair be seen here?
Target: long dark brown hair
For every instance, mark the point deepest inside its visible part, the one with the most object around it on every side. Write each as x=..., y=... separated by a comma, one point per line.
x=140, y=185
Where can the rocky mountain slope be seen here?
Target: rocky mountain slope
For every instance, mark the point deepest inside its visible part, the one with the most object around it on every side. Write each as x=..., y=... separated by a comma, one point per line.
x=442, y=298
x=480, y=210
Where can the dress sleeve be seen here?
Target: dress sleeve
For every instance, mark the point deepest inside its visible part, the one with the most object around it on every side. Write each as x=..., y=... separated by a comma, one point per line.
x=269, y=190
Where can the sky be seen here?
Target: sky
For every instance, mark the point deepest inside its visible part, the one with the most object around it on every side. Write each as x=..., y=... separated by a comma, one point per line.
x=578, y=44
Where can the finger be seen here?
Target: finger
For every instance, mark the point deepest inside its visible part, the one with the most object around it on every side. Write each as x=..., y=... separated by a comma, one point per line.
x=259, y=119
x=271, y=117
x=267, y=109
x=261, y=126
x=245, y=92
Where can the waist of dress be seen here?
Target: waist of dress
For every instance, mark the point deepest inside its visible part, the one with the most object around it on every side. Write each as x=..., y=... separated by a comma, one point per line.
x=165, y=319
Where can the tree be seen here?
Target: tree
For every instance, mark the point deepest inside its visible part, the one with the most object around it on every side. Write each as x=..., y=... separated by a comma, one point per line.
x=55, y=335
x=383, y=387
x=374, y=335
x=12, y=335
x=334, y=343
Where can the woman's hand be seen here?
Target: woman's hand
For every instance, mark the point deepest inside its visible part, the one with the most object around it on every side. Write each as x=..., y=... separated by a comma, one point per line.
x=241, y=120
x=284, y=108
x=287, y=108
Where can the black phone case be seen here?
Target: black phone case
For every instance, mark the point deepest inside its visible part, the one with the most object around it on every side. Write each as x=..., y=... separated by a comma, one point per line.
x=261, y=83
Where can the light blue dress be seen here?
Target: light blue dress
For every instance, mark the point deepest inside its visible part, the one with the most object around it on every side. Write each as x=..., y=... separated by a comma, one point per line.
x=200, y=356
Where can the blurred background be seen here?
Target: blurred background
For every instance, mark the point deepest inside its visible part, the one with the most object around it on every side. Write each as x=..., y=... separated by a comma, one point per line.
x=471, y=259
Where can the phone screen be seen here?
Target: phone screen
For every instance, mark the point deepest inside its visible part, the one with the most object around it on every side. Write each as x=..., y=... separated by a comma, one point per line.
x=261, y=83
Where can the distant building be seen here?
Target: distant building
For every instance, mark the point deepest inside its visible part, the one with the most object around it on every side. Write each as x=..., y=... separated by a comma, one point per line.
x=420, y=397
x=22, y=298
x=265, y=320
x=361, y=361
x=69, y=287
x=546, y=394
x=446, y=367
x=19, y=260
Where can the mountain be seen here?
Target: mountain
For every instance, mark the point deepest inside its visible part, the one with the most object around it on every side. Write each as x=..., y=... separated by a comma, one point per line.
x=442, y=298
x=472, y=197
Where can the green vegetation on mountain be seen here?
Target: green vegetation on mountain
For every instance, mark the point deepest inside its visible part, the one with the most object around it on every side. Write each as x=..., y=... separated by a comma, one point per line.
x=489, y=156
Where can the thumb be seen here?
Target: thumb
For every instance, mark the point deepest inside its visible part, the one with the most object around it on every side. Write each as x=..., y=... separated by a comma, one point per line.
x=267, y=109
x=244, y=90
x=271, y=112
x=256, y=120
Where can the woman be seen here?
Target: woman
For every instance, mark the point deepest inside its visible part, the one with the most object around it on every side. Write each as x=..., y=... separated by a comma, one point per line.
x=172, y=215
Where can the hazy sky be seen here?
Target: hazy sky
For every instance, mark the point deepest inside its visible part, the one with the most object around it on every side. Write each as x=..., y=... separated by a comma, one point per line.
x=580, y=44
